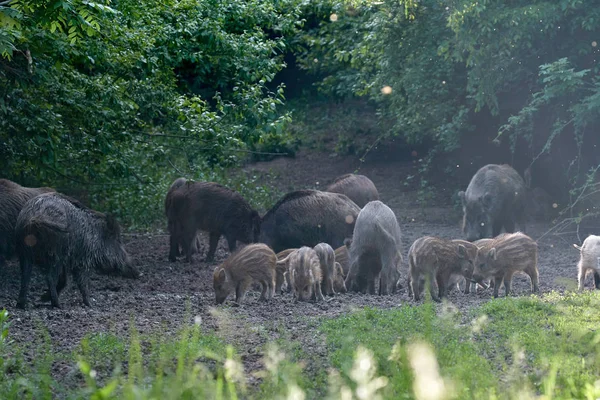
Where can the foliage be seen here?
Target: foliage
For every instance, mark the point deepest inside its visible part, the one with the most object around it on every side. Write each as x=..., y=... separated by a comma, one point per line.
x=162, y=86
x=505, y=349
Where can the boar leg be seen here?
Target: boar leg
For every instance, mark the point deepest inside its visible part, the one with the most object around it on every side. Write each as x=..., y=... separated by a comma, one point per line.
x=82, y=279
x=52, y=281
x=26, y=266
x=240, y=292
x=497, y=283
x=173, y=248
x=213, y=241
x=508, y=283
x=414, y=285
x=431, y=278
x=330, y=288
x=442, y=281
x=231, y=242
x=535, y=279
x=62, y=282
x=319, y=294
x=264, y=289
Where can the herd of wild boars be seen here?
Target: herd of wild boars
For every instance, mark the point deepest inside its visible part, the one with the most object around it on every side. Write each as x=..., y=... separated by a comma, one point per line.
x=311, y=243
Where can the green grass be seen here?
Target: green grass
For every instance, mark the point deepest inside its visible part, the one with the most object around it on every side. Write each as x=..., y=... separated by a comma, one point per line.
x=506, y=349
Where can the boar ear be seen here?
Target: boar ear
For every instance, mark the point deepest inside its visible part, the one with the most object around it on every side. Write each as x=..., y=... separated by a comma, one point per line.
x=348, y=242
x=462, y=251
x=492, y=254
x=486, y=201
x=461, y=196
x=221, y=275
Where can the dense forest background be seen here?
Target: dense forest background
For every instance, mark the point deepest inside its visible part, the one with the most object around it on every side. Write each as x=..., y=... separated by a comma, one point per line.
x=112, y=100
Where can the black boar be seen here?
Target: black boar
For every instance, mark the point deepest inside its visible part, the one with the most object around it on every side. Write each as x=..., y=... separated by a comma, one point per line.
x=308, y=217
x=495, y=198
x=63, y=237
x=213, y=208
x=252, y=263
x=504, y=255
x=375, y=250
x=438, y=259
x=12, y=199
x=304, y=274
x=589, y=258
x=358, y=188
x=327, y=262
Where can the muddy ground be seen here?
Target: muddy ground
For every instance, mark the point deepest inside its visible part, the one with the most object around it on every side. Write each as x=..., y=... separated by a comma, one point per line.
x=170, y=295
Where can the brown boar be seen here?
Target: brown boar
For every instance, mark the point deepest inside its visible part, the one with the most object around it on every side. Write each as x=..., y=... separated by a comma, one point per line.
x=304, y=274
x=12, y=199
x=589, y=259
x=438, y=259
x=213, y=208
x=495, y=198
x=252, y=263
x=339, y=284
x=375, y=250
x=175, y=238
x=308, y=217
x=327, y=262
x=342, y=257
x=358, y=188
x=504, y=255
x=282, y=277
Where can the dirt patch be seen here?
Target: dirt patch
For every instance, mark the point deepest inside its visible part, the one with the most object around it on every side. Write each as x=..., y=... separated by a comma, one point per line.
x=171, y=295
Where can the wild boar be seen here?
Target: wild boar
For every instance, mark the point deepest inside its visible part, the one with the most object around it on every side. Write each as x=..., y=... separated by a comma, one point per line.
x=213, y=208
x=175, y=238
x=589, y=258
x=339, y=284
x=358, y=188
x=252, y=263
x=327, y=262
x=282, y=277
x=504, y=255
x=342, y=257
x=438, y=259
x=308, y=217
x=12, y=199
x=375, y=250
x=495, y=198
x=304, y=274
x=63, y=237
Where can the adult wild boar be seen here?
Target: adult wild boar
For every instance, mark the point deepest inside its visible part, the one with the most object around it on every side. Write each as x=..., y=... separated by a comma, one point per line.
x=375, y=250
x=495, y=198
x=308, y=217
x=175, y=239
x=63, y=237
x=504, y=255
x=213, y=208
x=358, y=188
x=12, y=199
